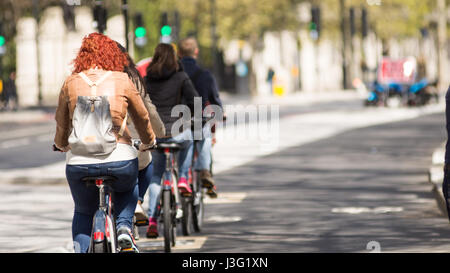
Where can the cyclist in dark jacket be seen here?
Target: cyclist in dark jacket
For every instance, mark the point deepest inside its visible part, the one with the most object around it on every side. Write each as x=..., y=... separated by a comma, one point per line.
x=206, y=86
x=168, y=86
x=445, y=185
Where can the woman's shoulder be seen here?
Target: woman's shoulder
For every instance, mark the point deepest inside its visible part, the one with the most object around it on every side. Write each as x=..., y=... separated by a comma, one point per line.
x=115, y=74
x=120, y=75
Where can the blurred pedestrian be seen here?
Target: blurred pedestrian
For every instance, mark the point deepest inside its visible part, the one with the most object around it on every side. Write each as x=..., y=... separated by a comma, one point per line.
x=10, y=93
x=169, y=86
x=99, y=95
x=207, y=88
x=145, y=158
x=270, y=78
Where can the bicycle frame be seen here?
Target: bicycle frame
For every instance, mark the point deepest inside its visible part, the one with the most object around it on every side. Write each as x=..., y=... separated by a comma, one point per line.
x=169, y=200
x=167, y=181
x=103, y=226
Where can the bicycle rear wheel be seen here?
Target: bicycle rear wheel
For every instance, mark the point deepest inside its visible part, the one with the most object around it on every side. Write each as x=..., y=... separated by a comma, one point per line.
x=167, y=219
x=100, y=247
x=187, y=219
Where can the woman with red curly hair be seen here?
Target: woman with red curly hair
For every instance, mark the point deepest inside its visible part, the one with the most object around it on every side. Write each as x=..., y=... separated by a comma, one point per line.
x=99, y=64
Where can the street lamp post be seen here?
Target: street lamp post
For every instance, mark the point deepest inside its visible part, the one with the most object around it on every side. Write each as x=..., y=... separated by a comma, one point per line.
x=214, y=40
x=36, y=17
x=125, y=16
x=345, y=45
x=441, y=35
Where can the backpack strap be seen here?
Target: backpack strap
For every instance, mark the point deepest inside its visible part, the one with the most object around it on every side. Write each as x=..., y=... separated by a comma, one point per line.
x=92, y=84
x=124, y=123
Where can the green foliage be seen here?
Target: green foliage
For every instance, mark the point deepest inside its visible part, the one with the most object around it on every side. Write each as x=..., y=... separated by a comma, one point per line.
x=396, y=18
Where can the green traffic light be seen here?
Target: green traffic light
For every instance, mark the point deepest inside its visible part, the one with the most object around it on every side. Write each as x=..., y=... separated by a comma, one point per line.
x=166, y=30
x=2, y=40
x=312, y=26
x=140, y=32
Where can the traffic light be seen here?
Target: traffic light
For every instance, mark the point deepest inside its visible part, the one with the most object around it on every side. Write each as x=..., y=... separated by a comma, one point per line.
x=314, y=25
x=166, y=29
x=100, y=16
x=140, y=32
x=2, y=41
x=177, y=26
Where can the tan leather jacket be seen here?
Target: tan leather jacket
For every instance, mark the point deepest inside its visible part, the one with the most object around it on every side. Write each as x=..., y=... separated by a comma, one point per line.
x=123, y=97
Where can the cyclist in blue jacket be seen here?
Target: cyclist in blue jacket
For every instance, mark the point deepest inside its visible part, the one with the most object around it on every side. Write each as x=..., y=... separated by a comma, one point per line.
x=206, y=86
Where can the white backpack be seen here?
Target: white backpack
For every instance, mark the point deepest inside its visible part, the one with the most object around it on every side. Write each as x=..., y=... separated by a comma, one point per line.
x=92, y=133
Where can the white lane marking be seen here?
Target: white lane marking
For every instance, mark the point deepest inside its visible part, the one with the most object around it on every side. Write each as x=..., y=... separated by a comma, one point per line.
x=29, y=131
x=226, y=198
x=223, y=219
x=182, y=243
x=8, y=144
x=359, y=210
x=14, y=143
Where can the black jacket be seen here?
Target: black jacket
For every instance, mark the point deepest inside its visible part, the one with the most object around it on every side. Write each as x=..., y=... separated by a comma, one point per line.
x=447, y=115
x=203, y=80
x=170, y=89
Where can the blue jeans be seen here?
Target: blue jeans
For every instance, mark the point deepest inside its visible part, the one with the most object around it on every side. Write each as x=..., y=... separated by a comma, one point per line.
x=144, y=181
x=144, y=177
x=184, y=161
x=86, y=197
x=203, y=148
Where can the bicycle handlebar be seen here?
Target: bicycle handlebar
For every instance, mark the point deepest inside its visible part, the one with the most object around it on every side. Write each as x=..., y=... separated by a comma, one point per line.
x=137, y=142
x=55, y=149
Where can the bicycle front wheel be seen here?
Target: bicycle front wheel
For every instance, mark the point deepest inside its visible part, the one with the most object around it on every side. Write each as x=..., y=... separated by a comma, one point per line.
x=186, y=220
x=198, y=208
x=167, y=219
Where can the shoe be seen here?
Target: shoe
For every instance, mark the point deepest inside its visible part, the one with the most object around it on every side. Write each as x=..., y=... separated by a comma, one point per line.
x=212, y=192
x=183, y=187
x=152, y=230
x=141, y=216
x=126, y=241
x=206, y=178
x=208, y=183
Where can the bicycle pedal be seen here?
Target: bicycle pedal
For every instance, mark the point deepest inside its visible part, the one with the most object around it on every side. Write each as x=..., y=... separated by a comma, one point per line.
x=128, y=250
x=186, y=194
x=141, y=223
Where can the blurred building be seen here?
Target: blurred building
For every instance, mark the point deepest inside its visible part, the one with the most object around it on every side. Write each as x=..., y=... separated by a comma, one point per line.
x=57, y=47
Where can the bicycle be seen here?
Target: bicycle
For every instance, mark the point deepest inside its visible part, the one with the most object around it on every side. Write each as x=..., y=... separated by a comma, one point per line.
x=171, y=202
x=197, y=208
x=104, y=233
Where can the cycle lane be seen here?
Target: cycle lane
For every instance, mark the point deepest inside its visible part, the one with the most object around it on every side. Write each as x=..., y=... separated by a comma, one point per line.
x=304, y=128
x=350, y=192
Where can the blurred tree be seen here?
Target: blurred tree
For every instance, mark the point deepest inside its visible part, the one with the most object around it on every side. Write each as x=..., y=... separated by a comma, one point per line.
x=396, y=18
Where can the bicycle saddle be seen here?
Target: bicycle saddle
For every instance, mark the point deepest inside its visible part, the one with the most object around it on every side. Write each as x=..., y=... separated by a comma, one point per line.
x=106, y=179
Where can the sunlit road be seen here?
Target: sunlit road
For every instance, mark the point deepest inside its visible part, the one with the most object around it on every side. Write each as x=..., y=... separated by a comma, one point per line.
x=335, y=194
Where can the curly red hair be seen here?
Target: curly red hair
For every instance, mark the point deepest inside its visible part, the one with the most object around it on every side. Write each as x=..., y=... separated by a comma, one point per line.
x=98, y=50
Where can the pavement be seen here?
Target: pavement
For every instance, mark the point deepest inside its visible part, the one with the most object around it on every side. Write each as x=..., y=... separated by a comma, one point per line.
x=50, y=174
x=239, y=143
x=236, y=147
